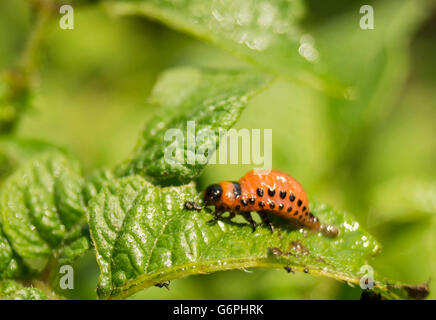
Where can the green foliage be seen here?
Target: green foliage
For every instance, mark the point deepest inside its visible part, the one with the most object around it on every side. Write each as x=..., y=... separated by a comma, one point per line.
x=141, y=232
x=265, y=33
x=15, y=98
x=12, y=290
x=95, y=182
x=144, y=236
x=372, y=89
x=214, y=100
x=42, y=212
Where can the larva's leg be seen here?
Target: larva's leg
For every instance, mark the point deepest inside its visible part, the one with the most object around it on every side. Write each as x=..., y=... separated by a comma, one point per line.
x=247, y=216
x=218, y=213
x=231, y=215
x=264, y=217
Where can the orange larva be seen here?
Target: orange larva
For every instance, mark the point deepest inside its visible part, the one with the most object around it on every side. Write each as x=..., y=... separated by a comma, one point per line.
x=274, y=193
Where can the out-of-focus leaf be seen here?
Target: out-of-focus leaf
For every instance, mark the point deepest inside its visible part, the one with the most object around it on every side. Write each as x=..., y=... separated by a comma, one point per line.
x=375, y=63
x=404, y=199
x=15, y=152
x=42, y=212
x=212, y=100
x=10, y=263
x=266, y=32
x=143, y=236
x=410, y=204
x=12, y=290
x=95, y=182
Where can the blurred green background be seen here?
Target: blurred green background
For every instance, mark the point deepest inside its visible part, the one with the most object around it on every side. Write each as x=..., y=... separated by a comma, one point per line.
x=373, y=156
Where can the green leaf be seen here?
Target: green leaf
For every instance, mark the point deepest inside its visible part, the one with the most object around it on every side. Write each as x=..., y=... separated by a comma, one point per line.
x=265, y=33
x=14, y=152
x=41, y=213
x=10, y=263
x=12, y=290
x=404, y=199
x=71, y=251
x=213, y=100
x=143, y=236
x=408, y=203
x=95, y=182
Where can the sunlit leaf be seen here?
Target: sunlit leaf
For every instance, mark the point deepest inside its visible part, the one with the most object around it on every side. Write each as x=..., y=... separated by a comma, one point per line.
x=11, y=290
x=42, y=212
x=266, y=33
x=143, y=236
x=208, y=99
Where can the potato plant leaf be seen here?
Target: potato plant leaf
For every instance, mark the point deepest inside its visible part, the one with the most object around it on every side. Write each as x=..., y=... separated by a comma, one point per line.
x=208, y=99
x=266, y=33
x=143, y=236
x=41, y=213
x=95, y=182
x=14, y=152
x=12, y=290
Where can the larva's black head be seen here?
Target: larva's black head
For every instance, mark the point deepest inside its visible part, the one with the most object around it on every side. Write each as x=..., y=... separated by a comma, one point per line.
x=212, y=194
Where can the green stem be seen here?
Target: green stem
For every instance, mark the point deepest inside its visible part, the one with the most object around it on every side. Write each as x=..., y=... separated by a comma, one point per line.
x=44, y=9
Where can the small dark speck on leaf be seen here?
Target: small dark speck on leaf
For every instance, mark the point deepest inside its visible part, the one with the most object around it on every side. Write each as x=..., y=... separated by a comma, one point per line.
x=306, y=270
x=289, y=270
x=163, y=284
x=278, y=252
x=300, y=248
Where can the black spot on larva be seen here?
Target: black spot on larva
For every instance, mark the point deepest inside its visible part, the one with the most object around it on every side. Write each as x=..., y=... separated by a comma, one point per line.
x=296, y=213
x=272, y=205
x=299, y=202
x=252, y=200
x=261, y=204
x=281, y=206
x=237, y=207
x=244, y=202
x=259, y=192
x=289, y=209
x=306, y=214
x=282, y=194
x=291, y=197
x=236, y=189
x=271, y=192
x=304, y=209
x=213, y=193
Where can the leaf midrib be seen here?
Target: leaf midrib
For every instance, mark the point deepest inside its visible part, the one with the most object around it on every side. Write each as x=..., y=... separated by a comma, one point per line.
x=210, y=266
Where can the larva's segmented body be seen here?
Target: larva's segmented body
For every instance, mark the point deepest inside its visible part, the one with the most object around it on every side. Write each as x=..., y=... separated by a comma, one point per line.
x=274, y=193
x=277, y=193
